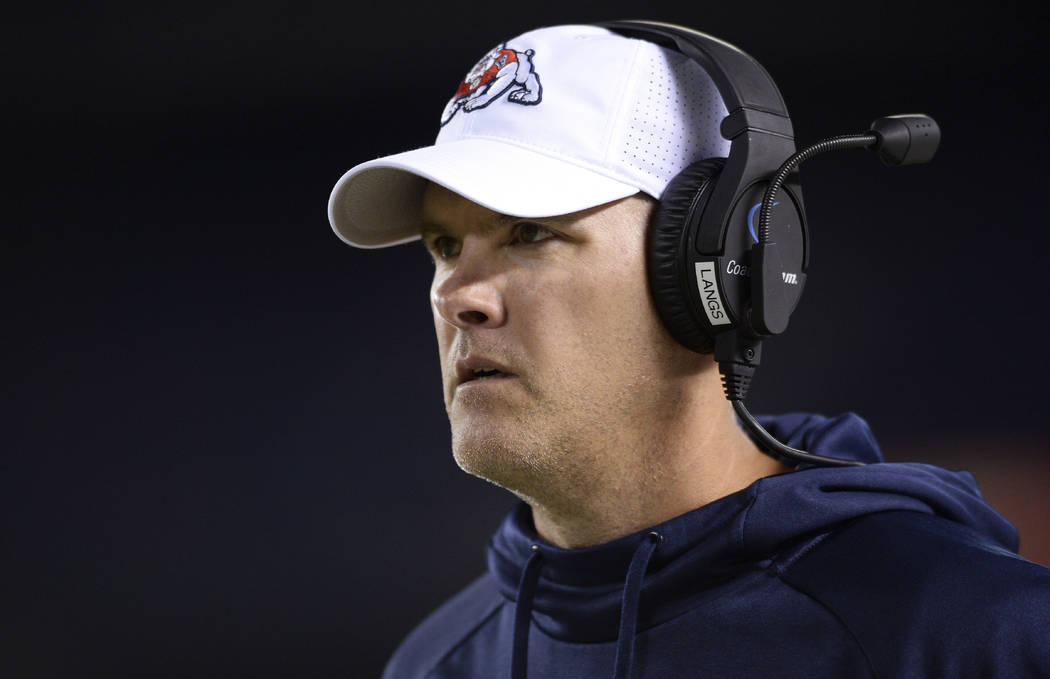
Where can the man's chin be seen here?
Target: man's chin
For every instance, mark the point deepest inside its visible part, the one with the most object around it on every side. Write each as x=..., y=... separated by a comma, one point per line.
x=493, y=454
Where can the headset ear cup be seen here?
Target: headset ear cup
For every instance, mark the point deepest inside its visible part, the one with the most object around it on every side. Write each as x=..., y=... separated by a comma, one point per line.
x=667, y=255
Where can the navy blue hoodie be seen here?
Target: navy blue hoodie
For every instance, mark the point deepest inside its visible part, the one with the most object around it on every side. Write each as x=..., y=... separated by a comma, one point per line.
x=886, y=570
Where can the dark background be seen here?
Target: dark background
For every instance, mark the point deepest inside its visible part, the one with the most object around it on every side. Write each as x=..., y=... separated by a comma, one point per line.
x=226, y=452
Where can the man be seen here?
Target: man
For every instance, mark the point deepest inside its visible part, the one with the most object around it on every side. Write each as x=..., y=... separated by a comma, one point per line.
x=654, y=537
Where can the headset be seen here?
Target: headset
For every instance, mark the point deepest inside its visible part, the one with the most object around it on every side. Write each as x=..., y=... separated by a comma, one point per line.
x=728, y=246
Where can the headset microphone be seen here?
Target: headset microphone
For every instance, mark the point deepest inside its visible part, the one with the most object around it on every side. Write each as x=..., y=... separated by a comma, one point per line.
x=906, y=139
x=898, y=140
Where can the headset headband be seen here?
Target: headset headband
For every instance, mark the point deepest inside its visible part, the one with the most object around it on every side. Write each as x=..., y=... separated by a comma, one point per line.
x=742, y=81
x=758, y=127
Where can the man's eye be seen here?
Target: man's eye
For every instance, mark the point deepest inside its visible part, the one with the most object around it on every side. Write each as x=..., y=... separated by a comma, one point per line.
x=445, y=247
x=529, y=232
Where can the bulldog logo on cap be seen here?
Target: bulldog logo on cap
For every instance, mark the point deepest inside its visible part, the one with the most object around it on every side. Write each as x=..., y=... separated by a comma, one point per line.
x=502, y=71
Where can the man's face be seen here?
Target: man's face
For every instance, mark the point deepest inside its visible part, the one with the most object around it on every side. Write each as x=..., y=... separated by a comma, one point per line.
x=554, y=363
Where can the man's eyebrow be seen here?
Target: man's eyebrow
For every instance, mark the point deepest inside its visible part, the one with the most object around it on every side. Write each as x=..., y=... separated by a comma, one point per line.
x=430, y=227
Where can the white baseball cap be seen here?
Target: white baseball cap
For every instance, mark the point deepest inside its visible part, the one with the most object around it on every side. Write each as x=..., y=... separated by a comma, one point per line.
x=553, y=121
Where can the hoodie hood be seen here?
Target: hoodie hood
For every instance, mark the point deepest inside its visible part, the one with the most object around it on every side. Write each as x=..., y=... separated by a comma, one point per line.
x=578, y=594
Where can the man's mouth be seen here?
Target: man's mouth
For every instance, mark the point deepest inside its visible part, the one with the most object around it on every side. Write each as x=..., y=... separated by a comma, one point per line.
x=486, y=374
x=478, y=369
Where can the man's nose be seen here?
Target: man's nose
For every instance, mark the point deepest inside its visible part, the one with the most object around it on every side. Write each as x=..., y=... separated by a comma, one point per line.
x=470, y=296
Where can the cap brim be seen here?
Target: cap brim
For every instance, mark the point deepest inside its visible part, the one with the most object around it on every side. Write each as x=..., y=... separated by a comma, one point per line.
x=377, y=204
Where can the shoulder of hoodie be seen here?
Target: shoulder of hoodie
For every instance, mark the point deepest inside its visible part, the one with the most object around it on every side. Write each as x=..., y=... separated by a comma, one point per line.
x=444, y=629
x=917, y=592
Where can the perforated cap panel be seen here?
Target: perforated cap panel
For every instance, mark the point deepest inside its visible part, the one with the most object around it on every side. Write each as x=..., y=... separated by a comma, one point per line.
x=675, y=120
